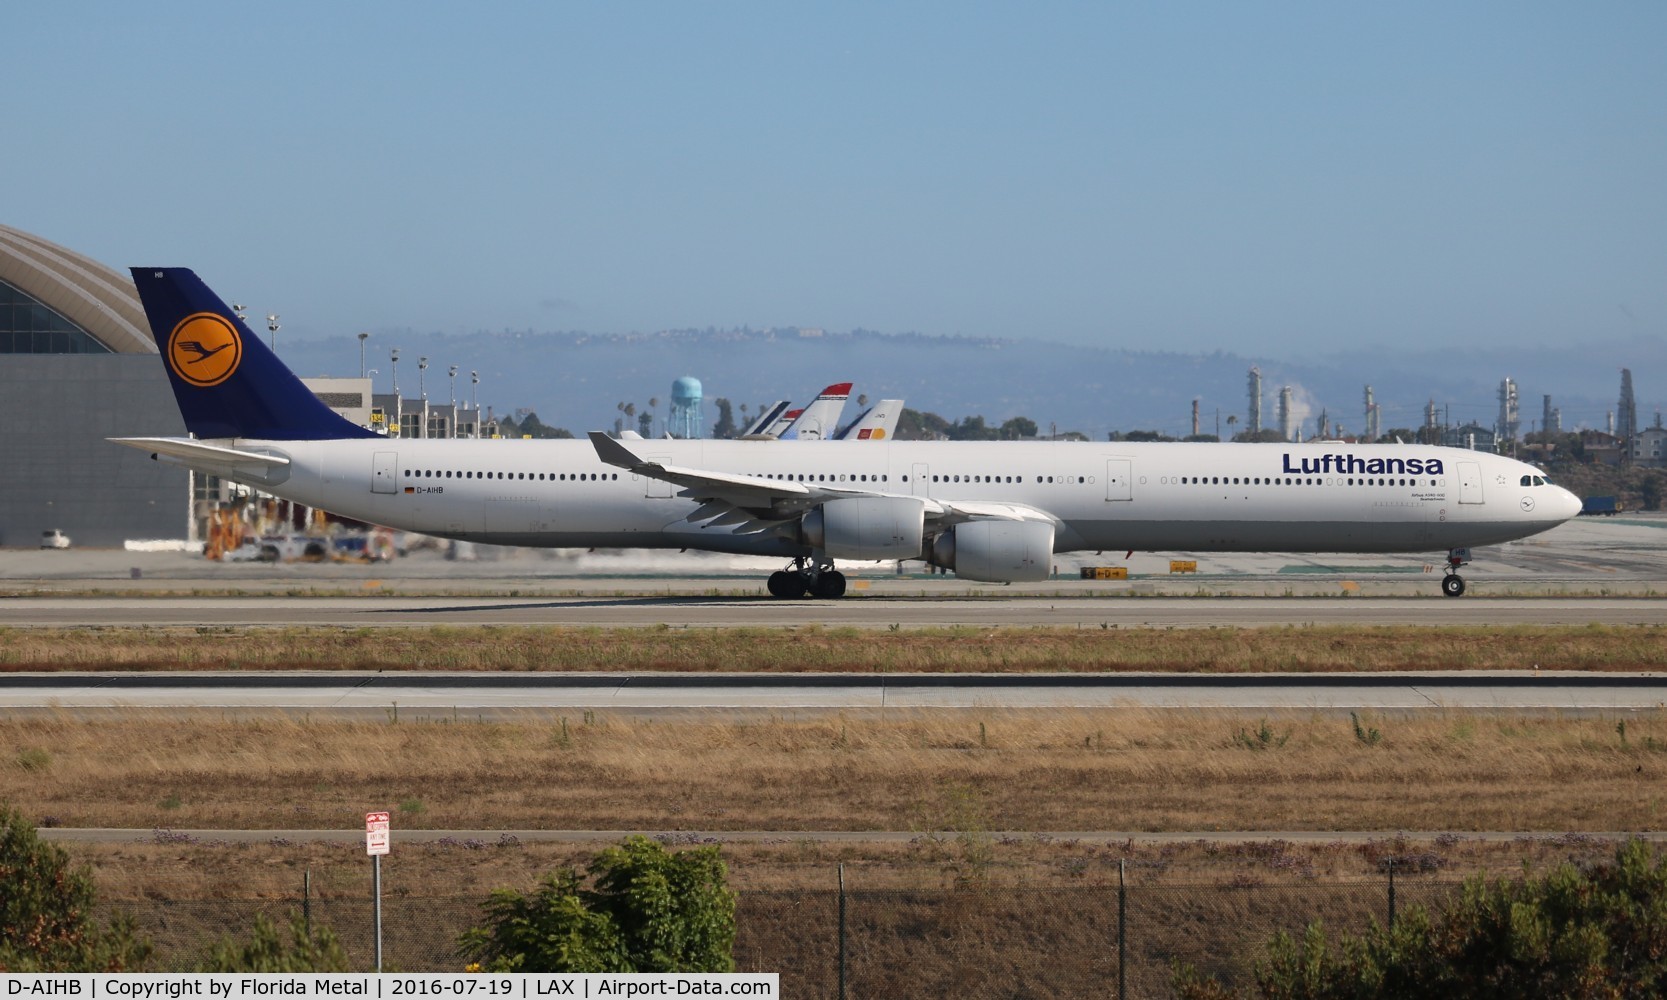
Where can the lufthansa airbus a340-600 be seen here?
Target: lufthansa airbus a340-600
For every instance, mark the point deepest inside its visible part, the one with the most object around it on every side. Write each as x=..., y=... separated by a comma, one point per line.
x=989, y=511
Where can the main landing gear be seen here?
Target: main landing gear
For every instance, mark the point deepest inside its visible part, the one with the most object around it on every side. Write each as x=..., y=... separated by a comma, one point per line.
x=807, y=576
x=1452, y=585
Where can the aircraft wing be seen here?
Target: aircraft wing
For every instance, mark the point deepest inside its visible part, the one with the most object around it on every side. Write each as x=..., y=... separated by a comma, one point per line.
x=699, y=484
x=732, y=499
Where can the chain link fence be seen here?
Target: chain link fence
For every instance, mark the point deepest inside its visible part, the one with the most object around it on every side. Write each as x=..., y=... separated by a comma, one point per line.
x=977, y=942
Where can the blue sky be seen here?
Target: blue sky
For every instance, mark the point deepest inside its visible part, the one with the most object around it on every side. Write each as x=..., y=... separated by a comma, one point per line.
x=1276, y=179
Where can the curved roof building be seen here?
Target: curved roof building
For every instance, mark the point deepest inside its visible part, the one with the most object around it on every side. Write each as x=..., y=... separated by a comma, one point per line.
x=77, y=365
x=56, y=301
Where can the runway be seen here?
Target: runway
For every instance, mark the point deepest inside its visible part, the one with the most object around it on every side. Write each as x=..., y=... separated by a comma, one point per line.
x=1065, y=611
x=509, y=694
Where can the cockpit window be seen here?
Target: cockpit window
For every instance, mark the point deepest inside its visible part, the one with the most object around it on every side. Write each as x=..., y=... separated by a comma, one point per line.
x=1534, y=481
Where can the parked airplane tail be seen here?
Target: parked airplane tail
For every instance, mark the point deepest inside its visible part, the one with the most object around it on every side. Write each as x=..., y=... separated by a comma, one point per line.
x=228, y=384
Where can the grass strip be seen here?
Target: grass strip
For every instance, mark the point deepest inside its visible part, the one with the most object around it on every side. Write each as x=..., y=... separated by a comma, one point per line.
x=1095, y=647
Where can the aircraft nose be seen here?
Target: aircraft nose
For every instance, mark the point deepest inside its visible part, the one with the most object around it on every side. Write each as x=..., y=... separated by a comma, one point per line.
x=1567, y=505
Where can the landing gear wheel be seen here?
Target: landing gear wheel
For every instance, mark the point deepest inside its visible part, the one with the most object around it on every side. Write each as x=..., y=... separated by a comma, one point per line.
x=830, y=585
x=1452, y=585
x=785, y=585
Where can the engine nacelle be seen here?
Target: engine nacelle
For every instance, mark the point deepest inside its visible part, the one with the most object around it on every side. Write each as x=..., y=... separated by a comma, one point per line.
x=996, y=551
x=867, y=528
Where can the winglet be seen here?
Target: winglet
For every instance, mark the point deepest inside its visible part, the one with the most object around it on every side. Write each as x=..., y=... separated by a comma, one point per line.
x=613, y=453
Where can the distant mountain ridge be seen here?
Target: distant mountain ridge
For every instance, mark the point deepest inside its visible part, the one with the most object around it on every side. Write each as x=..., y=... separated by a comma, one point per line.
x=576, y=380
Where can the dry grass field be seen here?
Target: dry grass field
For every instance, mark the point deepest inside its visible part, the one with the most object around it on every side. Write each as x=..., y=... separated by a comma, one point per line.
x=978, y=899
x=997, y=770
x=816, y=648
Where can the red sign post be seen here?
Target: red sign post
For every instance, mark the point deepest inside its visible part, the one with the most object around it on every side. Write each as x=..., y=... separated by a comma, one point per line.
x=376, y=845
x=376, y=833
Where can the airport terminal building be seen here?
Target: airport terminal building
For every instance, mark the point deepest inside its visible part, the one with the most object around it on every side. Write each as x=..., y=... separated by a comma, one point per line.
x=77, y=365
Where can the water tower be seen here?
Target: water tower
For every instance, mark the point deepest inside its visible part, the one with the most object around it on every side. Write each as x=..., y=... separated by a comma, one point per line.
x=686, y=418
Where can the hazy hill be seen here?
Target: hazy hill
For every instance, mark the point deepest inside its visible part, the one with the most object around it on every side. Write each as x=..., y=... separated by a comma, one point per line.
x=576, y=380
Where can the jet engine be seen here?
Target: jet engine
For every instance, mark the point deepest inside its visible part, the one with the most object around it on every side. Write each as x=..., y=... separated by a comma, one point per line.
x=996, y=551
x=867, y=528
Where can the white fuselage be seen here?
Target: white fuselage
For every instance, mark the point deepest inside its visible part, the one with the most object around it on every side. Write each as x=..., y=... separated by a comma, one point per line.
x=1316, y=497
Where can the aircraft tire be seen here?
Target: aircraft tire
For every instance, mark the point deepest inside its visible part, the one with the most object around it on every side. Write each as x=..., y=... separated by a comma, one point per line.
x=1452, y=585
x=785, y=585
x=830, y=585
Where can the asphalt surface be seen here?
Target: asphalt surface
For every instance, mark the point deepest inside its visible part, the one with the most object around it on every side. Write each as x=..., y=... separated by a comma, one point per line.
x=868, y=612
x=130, y=836
x=1590, y=570
x=430, y=694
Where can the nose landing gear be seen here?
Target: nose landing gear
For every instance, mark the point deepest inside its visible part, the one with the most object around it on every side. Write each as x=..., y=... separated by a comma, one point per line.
x=814, y=577
x=1452, y=585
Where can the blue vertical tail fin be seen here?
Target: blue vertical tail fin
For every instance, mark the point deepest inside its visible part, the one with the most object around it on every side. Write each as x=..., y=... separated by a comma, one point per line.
x=228, y=384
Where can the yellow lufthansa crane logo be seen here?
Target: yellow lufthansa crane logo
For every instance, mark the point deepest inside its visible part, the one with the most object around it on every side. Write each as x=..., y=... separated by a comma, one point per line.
x=204, y=349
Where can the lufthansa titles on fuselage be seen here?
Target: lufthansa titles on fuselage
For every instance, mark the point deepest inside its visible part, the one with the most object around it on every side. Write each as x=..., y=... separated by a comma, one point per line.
x=1348, y=464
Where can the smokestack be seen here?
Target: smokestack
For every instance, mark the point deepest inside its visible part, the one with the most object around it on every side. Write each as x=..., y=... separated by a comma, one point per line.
x=1255, y=422
x=1626, y=423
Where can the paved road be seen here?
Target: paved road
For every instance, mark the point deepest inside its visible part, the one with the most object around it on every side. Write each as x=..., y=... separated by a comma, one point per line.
x=128, y=836
x=868, y=612
x=512, y=693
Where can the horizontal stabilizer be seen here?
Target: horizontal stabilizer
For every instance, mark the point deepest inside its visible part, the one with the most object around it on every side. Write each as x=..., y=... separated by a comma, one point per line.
x=195, y=453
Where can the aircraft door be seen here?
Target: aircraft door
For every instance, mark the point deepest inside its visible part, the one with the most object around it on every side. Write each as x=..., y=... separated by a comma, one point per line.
x=920, y=481
x=1119, y=476
x=384, y=472
x=1470, y=482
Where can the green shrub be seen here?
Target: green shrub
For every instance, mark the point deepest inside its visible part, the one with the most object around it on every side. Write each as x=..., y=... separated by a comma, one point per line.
x=44, y=907
x=1599, y=933
x=647, y=910
x=266, y=951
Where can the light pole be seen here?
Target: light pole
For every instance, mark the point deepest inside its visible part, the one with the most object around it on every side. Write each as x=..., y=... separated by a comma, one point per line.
x=399, y=404
x=474, y=391
x=371, y=373
x=422, y=390
x=362, y=338
x=451, y=376
x=272, y=328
